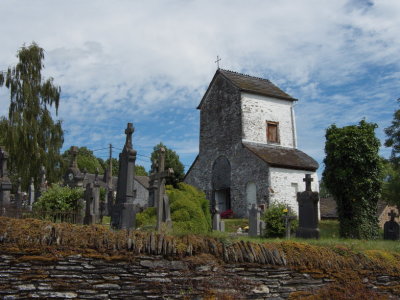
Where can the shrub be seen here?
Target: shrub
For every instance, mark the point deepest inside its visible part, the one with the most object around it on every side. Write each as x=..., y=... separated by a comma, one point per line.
x=274, y=222
x=189, y=210
x=58, y=198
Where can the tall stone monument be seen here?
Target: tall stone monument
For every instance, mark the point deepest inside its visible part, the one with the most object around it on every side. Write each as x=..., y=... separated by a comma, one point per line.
x=391, y=229
x=18, y=196
x=123, y=214
x=160, y=197
x=5, y=183
x=308, y=211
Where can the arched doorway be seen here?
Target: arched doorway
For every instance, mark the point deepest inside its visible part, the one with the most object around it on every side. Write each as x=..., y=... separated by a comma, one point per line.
x=221, y=183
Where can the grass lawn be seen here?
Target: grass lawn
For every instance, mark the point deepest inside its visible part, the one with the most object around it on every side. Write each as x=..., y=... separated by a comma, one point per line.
x=329, y=237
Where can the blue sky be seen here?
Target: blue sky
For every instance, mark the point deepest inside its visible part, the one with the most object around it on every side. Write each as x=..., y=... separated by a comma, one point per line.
x=150, y=62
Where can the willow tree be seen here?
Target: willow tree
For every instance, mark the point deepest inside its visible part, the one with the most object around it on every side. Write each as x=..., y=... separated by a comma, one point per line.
x=30, y=134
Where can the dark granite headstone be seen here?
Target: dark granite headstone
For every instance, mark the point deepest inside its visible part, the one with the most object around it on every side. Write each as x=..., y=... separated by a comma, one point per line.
x=160, y=197
x=391, y=229
x=308, y=211
x=5, y=183
x=123, y=214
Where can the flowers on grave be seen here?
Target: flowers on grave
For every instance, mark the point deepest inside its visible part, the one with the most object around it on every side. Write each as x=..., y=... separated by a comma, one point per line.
x=228, y=214
x=285, y=210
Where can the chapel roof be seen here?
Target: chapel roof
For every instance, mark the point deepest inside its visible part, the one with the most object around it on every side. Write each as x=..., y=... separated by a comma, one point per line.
x=282, y=157
x=250, y=84
x=255, y=85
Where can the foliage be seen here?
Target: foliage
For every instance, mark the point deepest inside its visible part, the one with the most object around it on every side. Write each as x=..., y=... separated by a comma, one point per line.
x=274, y=221
x=323, y=191
x=140, y=171
x=391, y=183
x=393, y=137
x=171, y=161
x=86, y=161
x=30, y=135
x=353, y=176
x=189, y=210
x=58, y=198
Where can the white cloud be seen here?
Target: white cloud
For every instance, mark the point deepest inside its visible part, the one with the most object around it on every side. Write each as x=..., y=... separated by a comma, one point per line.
x=125, y=61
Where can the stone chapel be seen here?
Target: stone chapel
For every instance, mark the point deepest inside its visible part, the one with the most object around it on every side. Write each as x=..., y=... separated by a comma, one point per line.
x=248, y=153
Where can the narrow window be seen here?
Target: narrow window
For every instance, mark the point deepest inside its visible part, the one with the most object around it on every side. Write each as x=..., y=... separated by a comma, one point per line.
x=272, y=132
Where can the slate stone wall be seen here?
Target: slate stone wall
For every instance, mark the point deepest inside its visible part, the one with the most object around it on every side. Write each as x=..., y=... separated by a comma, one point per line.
x=150, y=277
x=221, y=135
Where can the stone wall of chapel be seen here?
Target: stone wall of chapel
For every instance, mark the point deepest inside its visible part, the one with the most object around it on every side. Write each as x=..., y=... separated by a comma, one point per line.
x=221, y=135
x=256, y=110
x=285, y=183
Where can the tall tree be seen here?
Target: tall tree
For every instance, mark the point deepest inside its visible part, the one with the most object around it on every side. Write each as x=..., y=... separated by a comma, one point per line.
x=30, y=134
x=86, y=160
x=393, y=137
x=353, y=176
x=171, y=161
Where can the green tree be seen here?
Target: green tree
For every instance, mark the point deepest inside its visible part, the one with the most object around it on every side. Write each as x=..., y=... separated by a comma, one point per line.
x=30, y=135
x=393, y=137
x=391, y=183
x=58, y=198
x=86, y=160
x=353, y=176
x=171, y=161
x=139, y=169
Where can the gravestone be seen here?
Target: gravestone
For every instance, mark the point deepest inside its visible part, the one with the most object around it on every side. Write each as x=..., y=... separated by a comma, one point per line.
x=217, y=224
x=31, y=194
x=5, y=183
x=288, y=222
x=92, y=197
x=391, y=229
x=74, y=177
x=124, y=211
x=153, y=184
x=308, y=211
x=256, y=226
x=18, y=196
x=160, y=197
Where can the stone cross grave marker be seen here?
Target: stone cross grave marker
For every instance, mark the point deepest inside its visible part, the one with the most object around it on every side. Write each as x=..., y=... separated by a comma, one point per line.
x=5, y=183
x=256, y=226
x=391, y=229
x=92, y=197
x=217, y=224
x=161, y=198
x=123, y=215
x=308, y=211
x=288, y=222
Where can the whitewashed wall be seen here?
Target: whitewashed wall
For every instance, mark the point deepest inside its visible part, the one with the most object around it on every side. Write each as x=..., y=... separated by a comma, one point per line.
x=256, y=110
x=285, y=183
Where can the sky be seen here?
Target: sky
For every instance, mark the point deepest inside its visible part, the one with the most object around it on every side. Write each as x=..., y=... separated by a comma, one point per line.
x=150, y=62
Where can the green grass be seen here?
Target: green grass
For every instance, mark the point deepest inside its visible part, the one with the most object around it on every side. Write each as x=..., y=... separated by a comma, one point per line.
x=329, y=237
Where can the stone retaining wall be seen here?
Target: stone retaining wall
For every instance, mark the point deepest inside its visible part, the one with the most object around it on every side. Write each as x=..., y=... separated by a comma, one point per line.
x=150, y=277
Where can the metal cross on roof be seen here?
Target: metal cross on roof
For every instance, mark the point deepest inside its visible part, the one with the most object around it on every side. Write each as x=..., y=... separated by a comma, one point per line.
x=218, y=60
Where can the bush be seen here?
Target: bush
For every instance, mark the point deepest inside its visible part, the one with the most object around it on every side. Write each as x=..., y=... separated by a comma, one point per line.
x=274, y=222
x=58, y=198
x=189, y=210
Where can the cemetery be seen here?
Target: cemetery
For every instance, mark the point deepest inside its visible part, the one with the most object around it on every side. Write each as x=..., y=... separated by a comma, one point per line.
x=246, y=215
